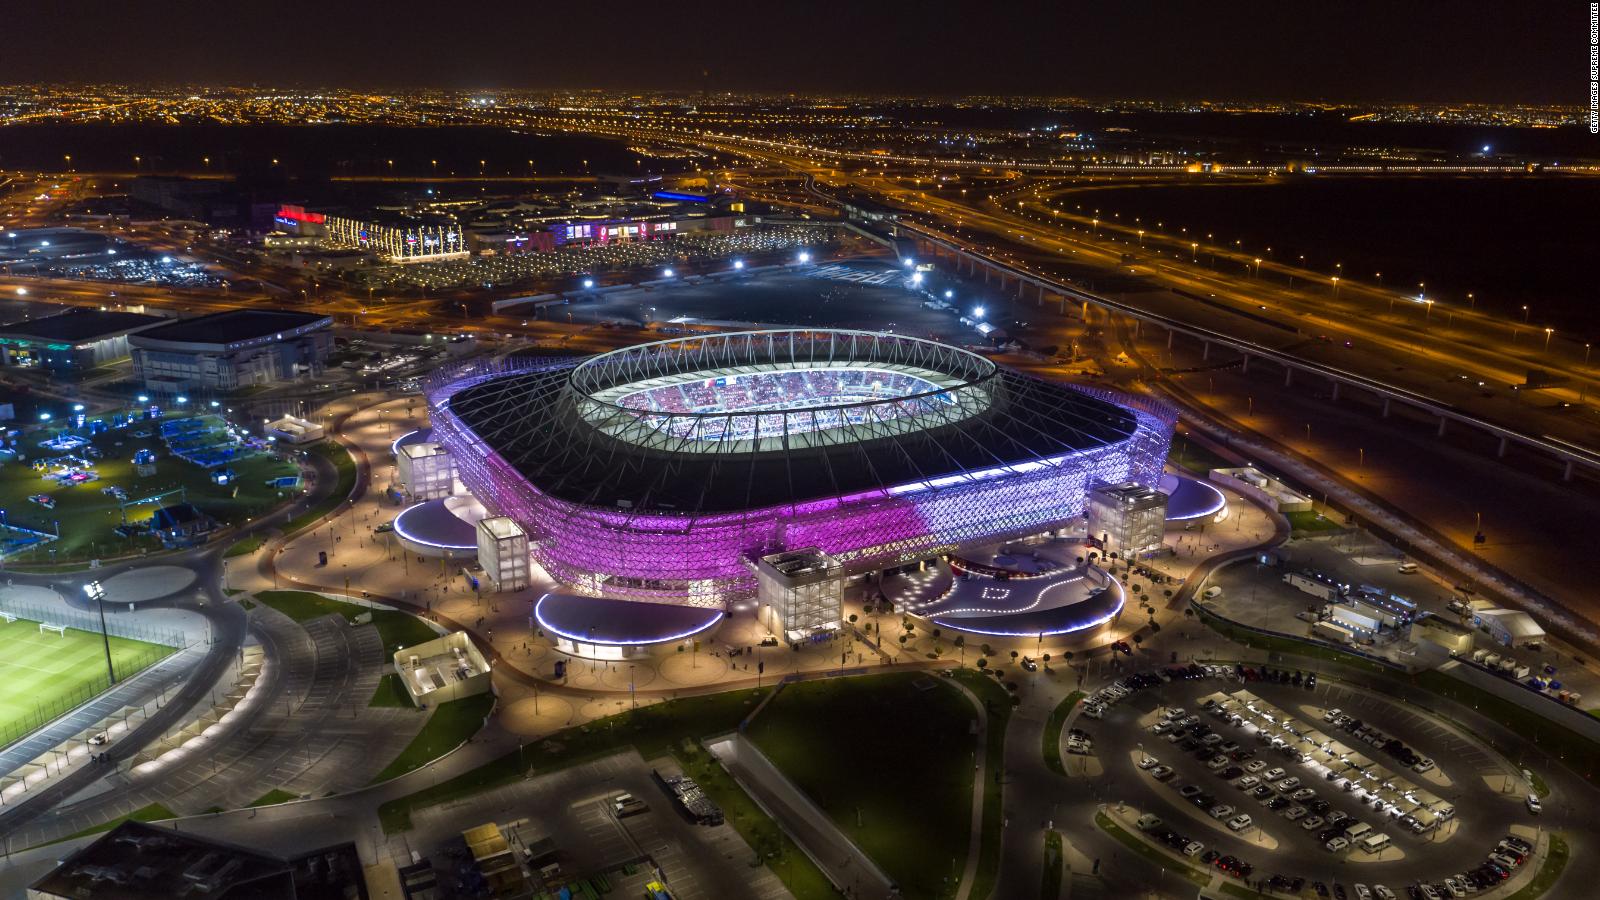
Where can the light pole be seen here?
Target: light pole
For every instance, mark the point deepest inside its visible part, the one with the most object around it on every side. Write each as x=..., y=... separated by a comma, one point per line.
x=1547, y=333
x=97, y=593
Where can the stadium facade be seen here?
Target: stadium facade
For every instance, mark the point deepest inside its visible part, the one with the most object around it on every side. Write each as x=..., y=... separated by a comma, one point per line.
x=661, y=472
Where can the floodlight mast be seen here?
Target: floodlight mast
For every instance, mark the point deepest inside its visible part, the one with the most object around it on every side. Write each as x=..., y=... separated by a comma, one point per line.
x=97, y=593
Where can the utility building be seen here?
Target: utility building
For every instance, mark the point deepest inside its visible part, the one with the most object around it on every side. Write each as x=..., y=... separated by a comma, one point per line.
x=1128, y=518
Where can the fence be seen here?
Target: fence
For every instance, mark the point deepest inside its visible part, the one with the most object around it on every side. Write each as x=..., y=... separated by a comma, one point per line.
x=1310, y=643
x=84, y=621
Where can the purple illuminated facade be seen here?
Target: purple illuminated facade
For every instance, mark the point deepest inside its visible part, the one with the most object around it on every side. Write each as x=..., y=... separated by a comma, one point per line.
x=970, y=477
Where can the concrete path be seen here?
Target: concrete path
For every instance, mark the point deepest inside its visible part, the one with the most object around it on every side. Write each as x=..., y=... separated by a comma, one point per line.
x=839, y=858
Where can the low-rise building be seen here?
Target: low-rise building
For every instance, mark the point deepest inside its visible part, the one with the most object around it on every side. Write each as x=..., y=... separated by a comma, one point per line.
x=71, y=342
x=1128, y=519
x=226, y=351
x=1509, y=627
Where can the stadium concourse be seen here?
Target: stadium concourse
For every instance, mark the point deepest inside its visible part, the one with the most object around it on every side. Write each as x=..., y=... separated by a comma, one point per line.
x=364, y=562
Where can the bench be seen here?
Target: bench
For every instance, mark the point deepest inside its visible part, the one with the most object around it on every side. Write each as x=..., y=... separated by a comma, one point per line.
x=58, y=629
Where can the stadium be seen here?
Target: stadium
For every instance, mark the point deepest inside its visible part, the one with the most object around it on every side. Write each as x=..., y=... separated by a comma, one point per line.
x=664, y=472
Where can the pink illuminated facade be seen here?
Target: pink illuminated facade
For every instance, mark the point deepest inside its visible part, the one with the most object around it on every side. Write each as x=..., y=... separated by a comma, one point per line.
x=669, y=506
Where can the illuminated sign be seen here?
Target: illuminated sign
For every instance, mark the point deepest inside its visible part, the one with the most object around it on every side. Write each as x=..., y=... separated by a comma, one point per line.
x=298, y=214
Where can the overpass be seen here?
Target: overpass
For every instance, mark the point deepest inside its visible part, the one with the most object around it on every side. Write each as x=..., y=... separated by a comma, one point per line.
x=973, y=263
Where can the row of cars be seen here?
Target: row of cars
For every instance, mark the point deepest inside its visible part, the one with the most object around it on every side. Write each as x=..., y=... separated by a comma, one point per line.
x=1371, y=736
x=1095, y=706
x=1229, y=865
x=1510, y=853
x=1278, y=791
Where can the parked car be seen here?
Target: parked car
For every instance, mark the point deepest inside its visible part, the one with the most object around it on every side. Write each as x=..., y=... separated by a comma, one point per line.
x=1336, y=844
x=1239, y=823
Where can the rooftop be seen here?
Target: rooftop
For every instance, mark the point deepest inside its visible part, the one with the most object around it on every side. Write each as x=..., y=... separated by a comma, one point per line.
x=233, y=325
x=135, y=861
x=79, y=325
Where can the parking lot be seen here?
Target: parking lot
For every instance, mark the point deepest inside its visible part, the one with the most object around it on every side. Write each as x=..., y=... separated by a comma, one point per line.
x=1248, y=776
x=575, y=809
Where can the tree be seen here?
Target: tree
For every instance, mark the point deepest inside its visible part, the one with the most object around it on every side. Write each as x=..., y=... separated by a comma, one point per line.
x=987, y=650
x=852, y=618
x=1013, y=655
x=1067, y=655
x=983, y=663
x=935, y=634
x=1188, y=612
x=1046, y=658
x=1138, y=639
x=1154, y=626
x=961, y=644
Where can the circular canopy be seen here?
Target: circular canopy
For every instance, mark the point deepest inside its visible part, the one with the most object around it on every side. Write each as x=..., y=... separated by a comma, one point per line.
x=621, y=623
x=1190, y=498
x=434, y=526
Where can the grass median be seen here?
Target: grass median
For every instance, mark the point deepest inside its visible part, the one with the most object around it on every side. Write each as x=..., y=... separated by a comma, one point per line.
x=1050, y=881
x=1149, y=853
x=1555, y=862
x=345, y=468
x=1052, y=732
x=395, y=628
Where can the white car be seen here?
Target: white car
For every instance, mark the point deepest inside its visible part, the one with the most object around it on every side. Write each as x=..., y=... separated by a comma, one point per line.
x=1193, y=848
x=1217, y=762
x=1239, y=823
x=1303, y=794
x=1534, y=806
x=1246, y=782
x=1335, y=845
x=1221, y=811
x=1149, y=762
x=1161, y=773
x=1311, y=823
x=1294, y=812
x=1383, y=892
x=1273, y=774
x=1363, y=892
x=1174, y=712
x=1332, y=714
x=1094, y=711
x=1423, y=765
x=1289, y=784
x=1255, y=765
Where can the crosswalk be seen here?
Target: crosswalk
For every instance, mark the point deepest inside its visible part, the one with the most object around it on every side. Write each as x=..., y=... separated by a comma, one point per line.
x=837, y=272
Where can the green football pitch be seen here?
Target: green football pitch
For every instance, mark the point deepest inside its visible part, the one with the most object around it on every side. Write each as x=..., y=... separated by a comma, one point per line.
x=44, y=674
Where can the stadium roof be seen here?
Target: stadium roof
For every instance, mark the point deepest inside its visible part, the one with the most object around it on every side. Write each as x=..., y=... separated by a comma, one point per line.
x=543, y=426
x=79, y=325
x=232, y=326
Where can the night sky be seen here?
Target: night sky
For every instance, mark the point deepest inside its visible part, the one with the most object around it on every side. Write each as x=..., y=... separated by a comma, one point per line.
x=1391, y=50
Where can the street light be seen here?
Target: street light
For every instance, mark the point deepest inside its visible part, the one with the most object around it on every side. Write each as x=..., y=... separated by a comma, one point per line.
x=588, y=283
x=1547, y=333
x=98, y=595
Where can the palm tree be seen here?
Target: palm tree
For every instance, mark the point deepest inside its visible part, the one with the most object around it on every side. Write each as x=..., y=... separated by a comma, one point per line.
x=961, y=644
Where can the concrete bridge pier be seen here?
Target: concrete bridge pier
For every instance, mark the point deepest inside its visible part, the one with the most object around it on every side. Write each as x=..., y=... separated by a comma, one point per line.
x=1205, y=350
x=1245, y=366
x=1336, y=387
x=1386, y=407
x=1442, y=421
x=1288, y=377
x=1172, y=334
x=1500, y=452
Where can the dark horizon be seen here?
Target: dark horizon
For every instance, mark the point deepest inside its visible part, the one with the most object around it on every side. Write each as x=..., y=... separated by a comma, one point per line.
x=1485, y=51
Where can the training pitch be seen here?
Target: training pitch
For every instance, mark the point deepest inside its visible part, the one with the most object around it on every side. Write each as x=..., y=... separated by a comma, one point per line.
x=44, y=674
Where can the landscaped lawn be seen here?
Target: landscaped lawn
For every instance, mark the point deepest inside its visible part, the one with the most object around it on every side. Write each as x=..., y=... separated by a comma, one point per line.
x=450, y=725
x=346, y=467
x=653, y=730
x=391, y=692
x=273, y=797
x=87, y=515
x=998, y=704
x=1309, y=521
x=889, y=759
x=395, y=628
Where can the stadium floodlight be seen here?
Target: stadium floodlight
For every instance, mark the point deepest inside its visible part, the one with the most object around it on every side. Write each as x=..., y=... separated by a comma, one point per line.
x=977, y=312
x=916, y=277
x=111, y=253
x=182, y=399
x=215, y=404
x=167, y=260
x=97, y=593
x=144, y=398
x=805, y=256
x=738, y=264
x=908, y=262
x=44, y=417
x=77, y=407
x=588, y=283
x=22, y=292
x=666, y=273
